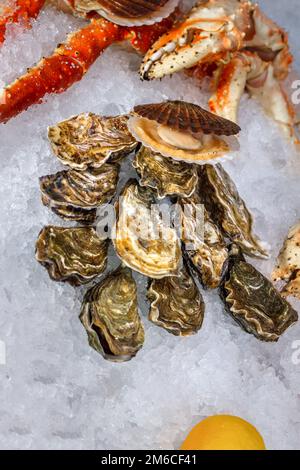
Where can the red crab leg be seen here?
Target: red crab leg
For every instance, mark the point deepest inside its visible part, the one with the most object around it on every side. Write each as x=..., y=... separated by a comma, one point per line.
x=58, y=72
x=70, y=61
x=24, y=11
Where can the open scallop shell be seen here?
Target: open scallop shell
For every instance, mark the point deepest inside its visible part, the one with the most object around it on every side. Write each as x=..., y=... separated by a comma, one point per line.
x=142, y=240
x=165, y=175
x=228, y=210
x=176, y=304
x=253, y=301
x=88, y=140
x=110, y=316
x=75, y=195
x=128, y=12
x=75, y=255
x=183, y=131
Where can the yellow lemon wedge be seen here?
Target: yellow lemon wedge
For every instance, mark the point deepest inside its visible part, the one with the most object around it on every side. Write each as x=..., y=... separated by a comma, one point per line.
x=224, y=432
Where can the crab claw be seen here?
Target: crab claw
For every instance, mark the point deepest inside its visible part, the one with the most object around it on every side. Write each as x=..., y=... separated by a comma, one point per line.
x=196, y=40
x=24, y=10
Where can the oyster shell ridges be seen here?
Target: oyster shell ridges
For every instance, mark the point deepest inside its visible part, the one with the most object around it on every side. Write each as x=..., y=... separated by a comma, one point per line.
x=187, y=117
x=75, y=195
x=110, y=316
x=75, y=255
x=254, y=303
x=228, y=210
x=165, y=175
x=142, y=241
x=176, y=304
x=91, y=140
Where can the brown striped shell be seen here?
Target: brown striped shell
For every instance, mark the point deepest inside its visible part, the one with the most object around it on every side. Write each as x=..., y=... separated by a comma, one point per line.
x=75, y=255
x=75, y=195
x=88, y=140
x=253, y=301
x=128, y=12
x=176, y=304
x=110, y=316
x=183, y=131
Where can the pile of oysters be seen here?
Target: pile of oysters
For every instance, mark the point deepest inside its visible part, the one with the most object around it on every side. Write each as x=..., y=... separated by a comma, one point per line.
x=178, y=147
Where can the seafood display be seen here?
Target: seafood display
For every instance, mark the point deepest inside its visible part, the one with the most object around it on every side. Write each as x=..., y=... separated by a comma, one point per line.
x=288, y=268
x=235, y=44
x=203, y=236
x=140, y=23
x=253, y=301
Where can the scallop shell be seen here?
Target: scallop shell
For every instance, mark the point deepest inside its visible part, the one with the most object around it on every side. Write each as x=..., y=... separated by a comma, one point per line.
x=110, y=316
x=288, y=264
x=88, y=140
x=128, y=12
x=75, y=195
x=176, y=304
x=253, y=301
x=166, y=176
x=187, y=117
x=204, y=244
x=75, y=255
x=142, y=240
x=228, y=210
x=183, y=131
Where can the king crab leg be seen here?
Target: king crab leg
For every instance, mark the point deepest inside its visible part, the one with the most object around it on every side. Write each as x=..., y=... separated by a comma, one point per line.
x=70, y=61
x=24, y=10
x=248, y=71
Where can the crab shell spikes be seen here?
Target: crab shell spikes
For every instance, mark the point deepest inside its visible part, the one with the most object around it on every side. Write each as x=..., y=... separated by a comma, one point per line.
x=183, y=131
x=128, y=12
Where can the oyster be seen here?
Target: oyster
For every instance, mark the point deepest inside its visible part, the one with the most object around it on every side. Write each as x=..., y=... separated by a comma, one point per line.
x=176, y=304
x=90, y=140
x=228, y=210
x=142, y=239
x=182, y=131
x=75, y=195
x=128, y=12
x=288, y=268
x=253, y=301
x=165, y=175
x=76, y=255
x=110, y=316
x=208, y=252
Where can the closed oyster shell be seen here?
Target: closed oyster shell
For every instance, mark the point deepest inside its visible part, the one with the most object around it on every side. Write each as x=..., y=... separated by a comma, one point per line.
x=128, y=12
x=75, y=255
x=182, y=131
x=209, y=252
x=166, y=176
x=176, y=304
x=253, y=301
x=110, y=316
x=142, y=240
x=288, y=264
x=88, y=140
x=75, y=195
x=228, y=210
